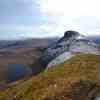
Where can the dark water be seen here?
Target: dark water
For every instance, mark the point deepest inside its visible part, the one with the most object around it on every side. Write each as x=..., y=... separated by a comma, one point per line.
x=17, y=71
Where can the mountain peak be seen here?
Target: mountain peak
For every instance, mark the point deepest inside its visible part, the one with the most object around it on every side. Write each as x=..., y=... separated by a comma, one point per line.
x=69, y=45
x=69, y=34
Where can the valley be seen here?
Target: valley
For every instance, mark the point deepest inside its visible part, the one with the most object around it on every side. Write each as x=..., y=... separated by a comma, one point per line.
x=50, y=69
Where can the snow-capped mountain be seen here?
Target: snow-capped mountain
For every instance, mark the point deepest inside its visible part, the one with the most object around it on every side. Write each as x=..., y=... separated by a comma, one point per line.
x=68, y=46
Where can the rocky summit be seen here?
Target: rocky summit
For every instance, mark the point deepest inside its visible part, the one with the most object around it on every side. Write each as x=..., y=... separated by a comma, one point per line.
x=66, y=47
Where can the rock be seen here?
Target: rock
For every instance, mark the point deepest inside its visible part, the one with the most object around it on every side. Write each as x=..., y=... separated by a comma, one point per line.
x=60, y=59
x=70, y=44
x=69, y=34
x=84, y=46
x=98, y=98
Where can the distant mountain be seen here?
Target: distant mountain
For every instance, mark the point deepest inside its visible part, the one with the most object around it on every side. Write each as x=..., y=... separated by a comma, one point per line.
x=35, y=42
x=96, y=39
x=20, y=52
x=66, y=47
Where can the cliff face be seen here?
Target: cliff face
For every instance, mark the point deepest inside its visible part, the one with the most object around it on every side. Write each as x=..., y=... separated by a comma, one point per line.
x=68, y=46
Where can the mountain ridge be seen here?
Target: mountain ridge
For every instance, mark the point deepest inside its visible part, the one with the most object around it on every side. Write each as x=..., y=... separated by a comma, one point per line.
x=72, y=42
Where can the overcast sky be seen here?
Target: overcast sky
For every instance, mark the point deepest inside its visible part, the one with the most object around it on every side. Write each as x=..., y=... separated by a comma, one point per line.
x=42, y=18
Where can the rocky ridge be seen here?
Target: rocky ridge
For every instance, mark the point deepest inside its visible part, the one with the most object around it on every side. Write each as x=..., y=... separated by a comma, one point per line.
x=72, y=43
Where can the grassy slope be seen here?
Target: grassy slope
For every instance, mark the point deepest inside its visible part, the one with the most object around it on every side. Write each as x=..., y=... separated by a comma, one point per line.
x=52, y=84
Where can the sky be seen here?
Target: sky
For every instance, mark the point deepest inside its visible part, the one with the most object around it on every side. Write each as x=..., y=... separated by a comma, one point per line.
x=48, y=18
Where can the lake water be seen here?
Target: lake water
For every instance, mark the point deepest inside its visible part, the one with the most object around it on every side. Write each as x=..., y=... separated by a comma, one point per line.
x=17, y=71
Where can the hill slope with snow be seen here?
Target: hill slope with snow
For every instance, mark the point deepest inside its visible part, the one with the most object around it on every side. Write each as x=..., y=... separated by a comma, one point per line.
x=72, y=43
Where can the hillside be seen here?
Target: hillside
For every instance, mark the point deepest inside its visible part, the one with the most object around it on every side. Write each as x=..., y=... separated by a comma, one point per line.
x=71, y=43
x=71, y=80
x=21, y=56
x=20, y=52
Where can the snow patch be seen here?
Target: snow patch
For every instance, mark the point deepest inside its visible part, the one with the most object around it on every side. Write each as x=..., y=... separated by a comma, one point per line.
x=60, y=59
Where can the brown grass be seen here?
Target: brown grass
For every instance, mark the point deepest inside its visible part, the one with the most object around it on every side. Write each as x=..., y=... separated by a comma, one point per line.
x=64, y=82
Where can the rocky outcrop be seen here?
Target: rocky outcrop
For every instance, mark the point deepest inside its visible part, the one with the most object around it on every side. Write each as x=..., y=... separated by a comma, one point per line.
x=68, y=46
x=61, y=58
